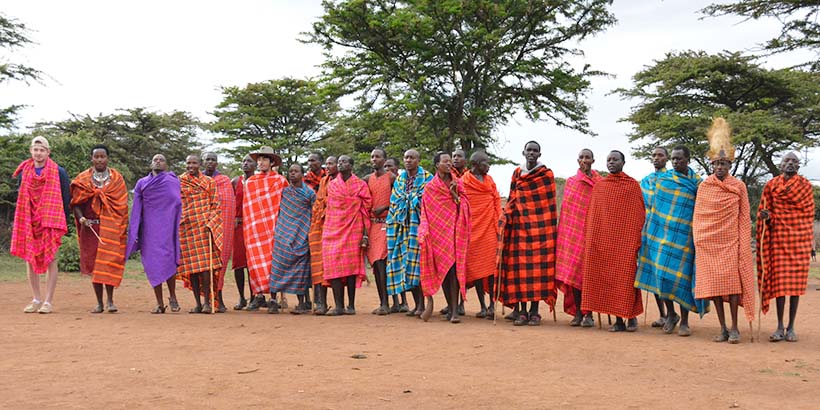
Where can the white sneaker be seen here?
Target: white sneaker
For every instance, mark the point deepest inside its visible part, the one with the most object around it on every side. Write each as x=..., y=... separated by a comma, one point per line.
x=33, y=306
x=46, y=308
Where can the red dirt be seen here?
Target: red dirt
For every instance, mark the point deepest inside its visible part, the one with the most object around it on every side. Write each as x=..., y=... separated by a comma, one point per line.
x=132, y=359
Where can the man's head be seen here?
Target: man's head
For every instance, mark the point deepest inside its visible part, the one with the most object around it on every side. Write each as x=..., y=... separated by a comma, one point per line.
x=532, y=151
x=248, y=165
x=659, y=158
x=721, y=167
x=680, y=159
x=790, y=164
x=192, y=164
x=159, y=164
x=479, y=163
x=459, y=159
x=345, y=165
x=615, y=161
x=585, y=160
x=295, y=174
x=411, y=160
x=315, y=162
x=210, y=161
x=99, y=157
x=377, y=158
x=392, y=165
x=443, y=164
x=40, y=150
x=332, y=165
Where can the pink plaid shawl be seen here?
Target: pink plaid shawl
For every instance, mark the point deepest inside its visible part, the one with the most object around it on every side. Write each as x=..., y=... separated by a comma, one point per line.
x=227, y=204
x=39, y=218
x=347, y=218
x=444, y=233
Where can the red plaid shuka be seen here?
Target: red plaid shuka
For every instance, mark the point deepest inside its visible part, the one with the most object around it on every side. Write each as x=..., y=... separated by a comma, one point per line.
x=105, y=261
x=485, y=230
x=313, y=180
x=263, y=194
x=347, y=219
x=238, y=257
x=612, y=239
x=444, y=232
x=200, y=229
x=39, y=218
x=722, y=232
x=380, y=189
x=786, y=248
x=227, y=205
x=317, y=222
x=527, y=262
x=569, y=251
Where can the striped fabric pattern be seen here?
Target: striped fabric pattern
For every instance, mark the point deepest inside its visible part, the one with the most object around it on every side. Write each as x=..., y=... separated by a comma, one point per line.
x=403, y=252
x=290, y=266
x=227, y=205
x=527, y=262
x=317, y=222
x=347, y=219
x=263, y=194
x=722, y=232
x=786, y=248
x=238, y=259
x=39, y=217
x=110, y=205
x=200, y=229
x=313, y=180
x=444, y=231
x=667, y=257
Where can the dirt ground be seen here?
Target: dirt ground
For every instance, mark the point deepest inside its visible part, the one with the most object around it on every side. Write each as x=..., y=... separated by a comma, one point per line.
x=134, y=360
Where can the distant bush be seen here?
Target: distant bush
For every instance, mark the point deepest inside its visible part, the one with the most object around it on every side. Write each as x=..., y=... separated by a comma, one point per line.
x=68, y=259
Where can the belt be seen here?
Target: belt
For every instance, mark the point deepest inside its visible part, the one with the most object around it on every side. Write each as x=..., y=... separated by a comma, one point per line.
x=378, y=220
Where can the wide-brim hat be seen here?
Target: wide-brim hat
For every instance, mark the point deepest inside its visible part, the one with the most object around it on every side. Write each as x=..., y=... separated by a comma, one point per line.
x=267, y=151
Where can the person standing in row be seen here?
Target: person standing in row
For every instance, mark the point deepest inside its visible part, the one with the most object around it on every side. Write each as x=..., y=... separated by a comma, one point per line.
x=317, y=224
x=722, y=232
x=344, y=237
x=40, y=216
x=239, y=259
x=660, y=156
x=200, y=233
x=379, y=183
x=786, y=215
x=227, y=205
x=612, y=239
x=154, y=232
x=100, y=202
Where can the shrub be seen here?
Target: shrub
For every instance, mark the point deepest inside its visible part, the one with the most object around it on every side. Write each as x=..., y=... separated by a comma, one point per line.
x=68, y=259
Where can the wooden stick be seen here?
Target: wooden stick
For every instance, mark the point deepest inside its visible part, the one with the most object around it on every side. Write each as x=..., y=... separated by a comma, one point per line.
x=554, y=317
x=96, y=234
x=609, y=319
x=762, y=245
x=646, y=309
x=211, y=270
x=600, y=325
x=751, y=332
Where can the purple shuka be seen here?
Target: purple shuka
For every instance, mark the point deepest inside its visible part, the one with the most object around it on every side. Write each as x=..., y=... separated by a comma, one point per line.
x=154, y=227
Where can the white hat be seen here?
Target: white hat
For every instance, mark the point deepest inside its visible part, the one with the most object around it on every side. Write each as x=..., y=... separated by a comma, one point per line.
x=41, y=141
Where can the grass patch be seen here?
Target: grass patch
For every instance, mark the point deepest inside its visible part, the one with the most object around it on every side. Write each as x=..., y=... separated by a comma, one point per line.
x=814, y=270
x=13, y=269
x=766, y=371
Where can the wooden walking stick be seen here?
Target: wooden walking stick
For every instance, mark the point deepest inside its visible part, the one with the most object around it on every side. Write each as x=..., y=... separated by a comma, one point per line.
x=645, y=311
x=600, y=325
x=211, y=270
x=762, y=246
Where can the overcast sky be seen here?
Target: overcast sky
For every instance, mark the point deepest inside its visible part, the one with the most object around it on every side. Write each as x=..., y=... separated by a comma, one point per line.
x=166, y=55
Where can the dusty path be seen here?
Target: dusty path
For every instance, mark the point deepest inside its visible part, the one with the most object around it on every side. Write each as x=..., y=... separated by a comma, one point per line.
x=132, y=359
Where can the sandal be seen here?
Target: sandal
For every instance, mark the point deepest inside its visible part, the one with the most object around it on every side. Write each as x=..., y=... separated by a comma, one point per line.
x=535, y=320
x=588, y=321
x=576, y=321
x=412, y=312
x=490, y=315
x=221, y=309
x=481, y=314
x=660, y=322
x=777, y=336
x=522, y=320
x=512, y=316
x=241, y=305
x=273, y=308
x=350, y=311
x=382, y=311
x=197, y=309
x=112, y=308
x=670, y=324
x=98, y=309
x=684, y=331
x=403, y=308
x=618, y=327
x=335, y=312
x=174, y=304
x=206, y=308
x=791, y=336
x=159, y=309
x=395, y=309
x=722, y=337
x=734, y=337
x=632, y=325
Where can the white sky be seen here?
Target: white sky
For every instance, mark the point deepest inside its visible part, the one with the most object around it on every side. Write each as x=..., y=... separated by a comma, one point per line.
x=166, y=55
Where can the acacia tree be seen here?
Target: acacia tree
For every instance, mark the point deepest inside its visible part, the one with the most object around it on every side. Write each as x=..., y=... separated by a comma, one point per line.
x=287, y=114
x=800, y=28
x=771, y=111
x=13, y=35
x=466, y=66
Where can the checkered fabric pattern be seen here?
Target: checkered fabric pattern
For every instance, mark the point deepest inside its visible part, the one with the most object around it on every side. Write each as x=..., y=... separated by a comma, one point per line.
x=263, y=193
x=317, y=223
x=377, y=237
x=200, y=229
x=347, y=219
x=403, y=253
x=290, y=267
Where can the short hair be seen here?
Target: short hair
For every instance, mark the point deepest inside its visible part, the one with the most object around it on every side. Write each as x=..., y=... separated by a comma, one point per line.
x=683, y=148
x=301, y=167
x=394, y=159
x=318, y=154
x=384, y=153
x=102, y=147
x=665, y=151
x=437, y=158
x=623, y=157
x=533, y=142
x=590, y=151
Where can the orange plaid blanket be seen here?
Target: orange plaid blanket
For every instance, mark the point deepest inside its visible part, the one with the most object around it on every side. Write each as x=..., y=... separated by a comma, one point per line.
x=200, y=229
x=263, y=194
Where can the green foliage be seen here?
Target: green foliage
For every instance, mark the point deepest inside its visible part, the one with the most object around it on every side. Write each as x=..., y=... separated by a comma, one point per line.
x=13, y=35
x=771, y=111
x=288, y=115
x=461, y=68
x=816, y=190
x=799, y=18
x=68, y=258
